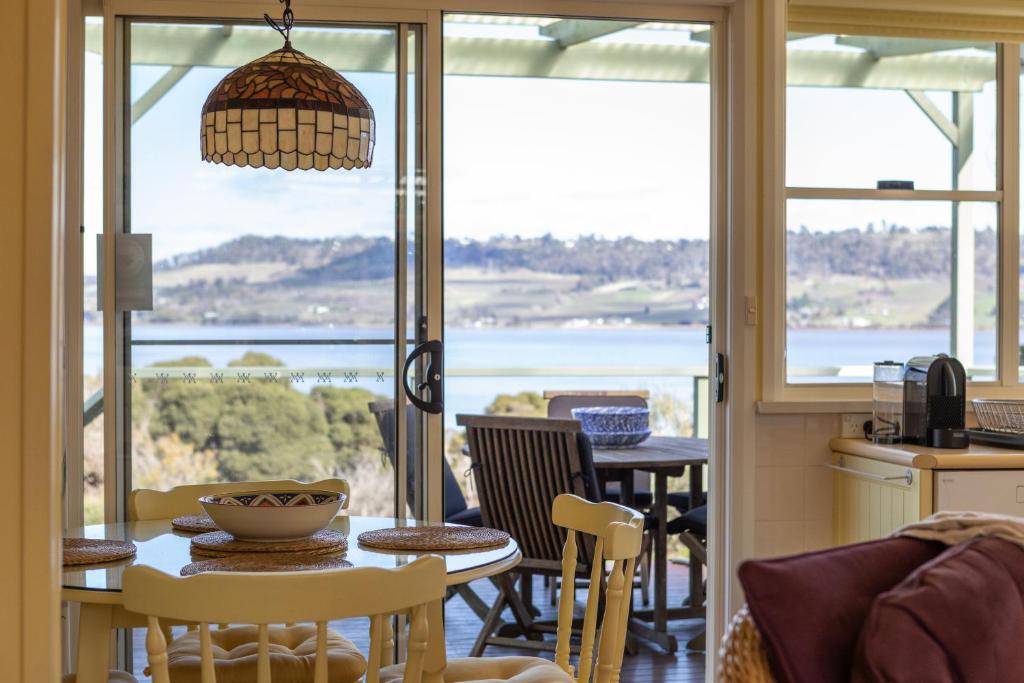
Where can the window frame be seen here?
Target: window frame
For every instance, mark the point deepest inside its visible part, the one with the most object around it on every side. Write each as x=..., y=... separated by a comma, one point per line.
x=776, y=386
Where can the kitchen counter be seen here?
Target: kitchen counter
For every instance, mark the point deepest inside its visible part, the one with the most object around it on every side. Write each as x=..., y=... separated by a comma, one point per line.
x=976, y=457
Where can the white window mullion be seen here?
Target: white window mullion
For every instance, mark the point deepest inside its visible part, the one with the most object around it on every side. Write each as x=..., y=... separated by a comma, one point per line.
x=1008, y=179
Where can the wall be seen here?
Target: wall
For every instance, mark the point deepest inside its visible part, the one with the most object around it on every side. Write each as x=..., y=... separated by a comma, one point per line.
x=29, y=309
x=793, y=489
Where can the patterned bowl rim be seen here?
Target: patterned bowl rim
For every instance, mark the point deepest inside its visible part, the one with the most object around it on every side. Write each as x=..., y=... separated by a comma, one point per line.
x=611, y=410
x=214, y=498
x=612, y=434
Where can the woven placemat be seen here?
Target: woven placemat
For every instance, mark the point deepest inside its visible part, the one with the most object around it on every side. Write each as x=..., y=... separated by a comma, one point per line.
x=267, y=562
x=218, y=543
x=423, y=538
x=194, y=523
x=94, y=551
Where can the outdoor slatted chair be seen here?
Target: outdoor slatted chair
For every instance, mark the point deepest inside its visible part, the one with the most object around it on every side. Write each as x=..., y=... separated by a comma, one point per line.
x=456, y=511
x=520, y=465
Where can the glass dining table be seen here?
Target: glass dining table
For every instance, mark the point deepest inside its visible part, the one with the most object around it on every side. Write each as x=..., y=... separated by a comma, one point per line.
x=97, y=588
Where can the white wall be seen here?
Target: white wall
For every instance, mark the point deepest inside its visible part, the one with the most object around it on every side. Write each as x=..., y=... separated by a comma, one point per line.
x=29, y=342
x=793, y=489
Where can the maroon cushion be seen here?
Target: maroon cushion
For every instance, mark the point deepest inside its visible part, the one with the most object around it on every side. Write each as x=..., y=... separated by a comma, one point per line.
x=957, y=618
x=810, y=608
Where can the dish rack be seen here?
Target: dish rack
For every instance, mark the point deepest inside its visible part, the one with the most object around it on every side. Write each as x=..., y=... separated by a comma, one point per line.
x=1000, y=415
x=1001, y=422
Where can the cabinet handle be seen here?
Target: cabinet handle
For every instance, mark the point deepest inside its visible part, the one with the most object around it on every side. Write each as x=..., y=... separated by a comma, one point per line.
x=907, y=476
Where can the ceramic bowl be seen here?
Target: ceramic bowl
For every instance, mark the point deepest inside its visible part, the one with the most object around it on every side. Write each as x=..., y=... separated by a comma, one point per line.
x=618, y=439
x=607, y=419
x=273, y=515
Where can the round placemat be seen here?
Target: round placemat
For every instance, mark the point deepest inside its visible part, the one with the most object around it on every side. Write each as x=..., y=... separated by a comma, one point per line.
x=267, y=562
x=194, y=523
x=95, y=551
x=325, y=540
x=424, y=538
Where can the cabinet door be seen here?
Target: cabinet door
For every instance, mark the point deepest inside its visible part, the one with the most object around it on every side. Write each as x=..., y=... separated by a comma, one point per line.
x=997, y=491
x=873, y=499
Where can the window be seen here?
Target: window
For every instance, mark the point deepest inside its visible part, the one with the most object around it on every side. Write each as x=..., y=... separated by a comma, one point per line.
x=881, y=270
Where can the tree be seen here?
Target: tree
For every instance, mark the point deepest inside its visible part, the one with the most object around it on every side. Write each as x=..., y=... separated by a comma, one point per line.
x=524, y=404
x=258, y=430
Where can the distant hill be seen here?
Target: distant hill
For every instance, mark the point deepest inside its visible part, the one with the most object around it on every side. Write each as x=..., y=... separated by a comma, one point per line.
x=546, y=281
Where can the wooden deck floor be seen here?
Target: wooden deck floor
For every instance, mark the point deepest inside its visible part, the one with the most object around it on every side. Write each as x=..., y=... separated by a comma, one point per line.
x=649, y=665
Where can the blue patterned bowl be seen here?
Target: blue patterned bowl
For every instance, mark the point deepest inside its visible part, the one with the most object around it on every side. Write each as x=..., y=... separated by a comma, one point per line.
x=603, y=419
x=273, y=515
x=618, y=439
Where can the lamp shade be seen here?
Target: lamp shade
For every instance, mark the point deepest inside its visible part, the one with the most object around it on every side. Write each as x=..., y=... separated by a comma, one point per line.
x=287, y=110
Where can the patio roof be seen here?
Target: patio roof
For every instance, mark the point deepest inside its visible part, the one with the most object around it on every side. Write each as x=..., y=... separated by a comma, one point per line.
x=574, y=49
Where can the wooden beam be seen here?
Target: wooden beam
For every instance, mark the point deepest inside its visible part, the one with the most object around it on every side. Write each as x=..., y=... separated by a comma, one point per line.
x=931, y=110
x=569, y=32
x=881, y=47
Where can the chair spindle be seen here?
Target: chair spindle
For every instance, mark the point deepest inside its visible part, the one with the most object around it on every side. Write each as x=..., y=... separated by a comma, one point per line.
x=263, y=655
x=156, y=648
x=417, y=645
x=565, y=603
x=586, y=663
x=623, y=619
x=207, y=673
x=376, y=647
x=320, y=666
x=609, y=625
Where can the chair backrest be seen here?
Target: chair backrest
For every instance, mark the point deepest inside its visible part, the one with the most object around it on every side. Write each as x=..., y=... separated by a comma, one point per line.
x=617, y=534
x=521, y=464
x=561, y=403
x=384, y=413
x=147, y=504
x=289, y=597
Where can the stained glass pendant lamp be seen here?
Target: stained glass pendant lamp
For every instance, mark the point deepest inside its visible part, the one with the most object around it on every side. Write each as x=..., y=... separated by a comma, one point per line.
x=287, y=110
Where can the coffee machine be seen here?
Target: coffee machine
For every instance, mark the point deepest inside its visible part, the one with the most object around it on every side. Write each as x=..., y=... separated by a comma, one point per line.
x=934, y=402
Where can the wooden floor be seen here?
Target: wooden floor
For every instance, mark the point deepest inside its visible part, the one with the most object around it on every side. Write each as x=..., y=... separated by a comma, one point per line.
x=649, y=665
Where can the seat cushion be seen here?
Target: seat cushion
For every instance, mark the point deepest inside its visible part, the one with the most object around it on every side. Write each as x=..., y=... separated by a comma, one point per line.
x=491, y=670
x=695, y=521
x=680, y=500
x=956, y=618
x=292, y=655
x=469, y=517
x=810, y=608
x=114, y=676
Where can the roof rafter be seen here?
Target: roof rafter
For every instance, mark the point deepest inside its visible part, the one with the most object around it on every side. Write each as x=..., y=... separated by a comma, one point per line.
x=569, y=32
x=881, y=47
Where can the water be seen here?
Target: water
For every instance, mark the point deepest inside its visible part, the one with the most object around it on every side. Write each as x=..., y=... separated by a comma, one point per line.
x=648, y=356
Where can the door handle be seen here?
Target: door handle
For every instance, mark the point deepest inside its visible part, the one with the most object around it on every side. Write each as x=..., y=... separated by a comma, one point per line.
x=907, y=477
x=719, y=379
x=434, y=377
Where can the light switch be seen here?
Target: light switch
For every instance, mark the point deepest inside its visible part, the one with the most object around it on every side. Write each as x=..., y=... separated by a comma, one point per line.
x=1020, y=494
x=750, y=309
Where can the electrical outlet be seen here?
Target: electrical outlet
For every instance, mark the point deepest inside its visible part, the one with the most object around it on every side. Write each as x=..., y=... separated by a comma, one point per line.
x=853, y=425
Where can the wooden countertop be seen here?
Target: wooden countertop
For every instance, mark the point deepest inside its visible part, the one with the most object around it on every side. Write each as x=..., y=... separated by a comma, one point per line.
x=976, y=457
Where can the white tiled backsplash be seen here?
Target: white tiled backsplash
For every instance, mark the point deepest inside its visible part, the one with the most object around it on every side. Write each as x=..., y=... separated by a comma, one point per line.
x=793, y=493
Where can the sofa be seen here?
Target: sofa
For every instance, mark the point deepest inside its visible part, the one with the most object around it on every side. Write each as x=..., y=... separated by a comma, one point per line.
x=899, y=610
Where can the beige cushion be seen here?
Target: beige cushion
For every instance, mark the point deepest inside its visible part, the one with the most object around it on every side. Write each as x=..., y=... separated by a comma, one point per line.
x=491, y=670
x=112, y=677
x=292, y=655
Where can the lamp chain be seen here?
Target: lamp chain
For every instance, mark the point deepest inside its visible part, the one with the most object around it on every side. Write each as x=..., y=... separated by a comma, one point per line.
x=287, y=19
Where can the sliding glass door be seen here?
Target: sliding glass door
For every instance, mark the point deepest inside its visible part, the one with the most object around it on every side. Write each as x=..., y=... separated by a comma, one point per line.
x=265, y=315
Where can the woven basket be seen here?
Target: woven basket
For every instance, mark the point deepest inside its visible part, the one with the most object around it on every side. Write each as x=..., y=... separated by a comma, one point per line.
x=743, y=656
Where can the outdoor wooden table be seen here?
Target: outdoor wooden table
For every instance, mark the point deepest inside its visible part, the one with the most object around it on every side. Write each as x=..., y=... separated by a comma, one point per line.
x=664, y=457
x=98, y=587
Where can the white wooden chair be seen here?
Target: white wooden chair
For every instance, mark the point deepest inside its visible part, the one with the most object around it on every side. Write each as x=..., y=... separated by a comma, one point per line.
x=148, y=504
x=323, y=656
x=615, y=533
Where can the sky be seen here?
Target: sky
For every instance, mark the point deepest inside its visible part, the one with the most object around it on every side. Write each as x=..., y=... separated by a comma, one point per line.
x=530, y=157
